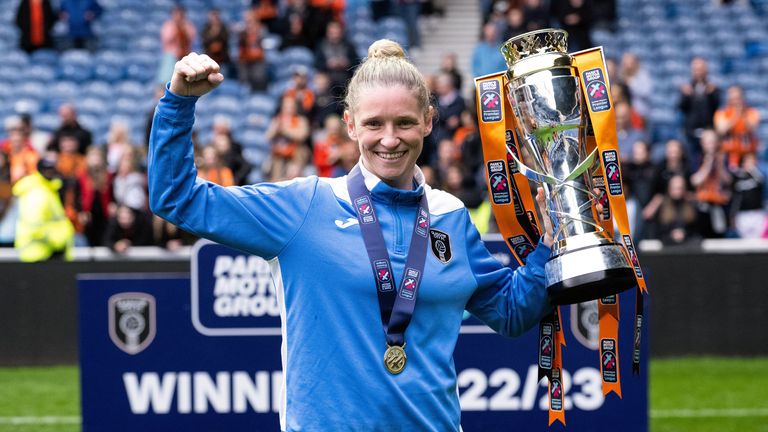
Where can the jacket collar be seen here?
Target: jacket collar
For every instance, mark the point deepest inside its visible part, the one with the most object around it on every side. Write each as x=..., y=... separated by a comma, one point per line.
x=381, y=191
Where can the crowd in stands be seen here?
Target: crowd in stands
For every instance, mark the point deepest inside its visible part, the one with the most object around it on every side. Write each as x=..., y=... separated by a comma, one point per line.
x=704, y=184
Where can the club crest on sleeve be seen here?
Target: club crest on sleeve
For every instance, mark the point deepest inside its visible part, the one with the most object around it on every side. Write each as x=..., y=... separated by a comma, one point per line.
x=132, y=321
x=441, y=245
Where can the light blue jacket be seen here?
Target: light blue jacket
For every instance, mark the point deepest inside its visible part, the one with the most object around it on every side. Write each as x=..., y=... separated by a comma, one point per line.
x=333, y=342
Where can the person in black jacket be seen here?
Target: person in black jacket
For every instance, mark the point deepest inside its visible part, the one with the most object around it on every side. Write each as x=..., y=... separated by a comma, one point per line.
x=699, y=99
x=35, y=20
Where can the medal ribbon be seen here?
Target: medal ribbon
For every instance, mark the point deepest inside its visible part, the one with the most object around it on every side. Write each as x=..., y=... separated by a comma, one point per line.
x=513, y=207
x=396, y=305
x=595, y=86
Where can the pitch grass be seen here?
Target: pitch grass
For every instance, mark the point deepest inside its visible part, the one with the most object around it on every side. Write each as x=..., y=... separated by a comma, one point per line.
x=709, y=384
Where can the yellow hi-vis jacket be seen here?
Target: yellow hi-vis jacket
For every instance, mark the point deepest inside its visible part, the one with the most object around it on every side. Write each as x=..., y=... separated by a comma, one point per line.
x=42, y=227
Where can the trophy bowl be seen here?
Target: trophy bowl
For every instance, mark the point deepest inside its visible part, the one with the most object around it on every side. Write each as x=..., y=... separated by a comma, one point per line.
x=551, y=120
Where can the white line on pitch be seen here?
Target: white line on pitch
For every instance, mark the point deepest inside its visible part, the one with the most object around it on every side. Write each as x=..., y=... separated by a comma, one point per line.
x=40, y=420
x=709, y=412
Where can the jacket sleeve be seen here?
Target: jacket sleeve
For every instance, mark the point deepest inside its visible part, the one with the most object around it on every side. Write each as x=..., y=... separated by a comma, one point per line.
x=260, y=219
x=509, y=302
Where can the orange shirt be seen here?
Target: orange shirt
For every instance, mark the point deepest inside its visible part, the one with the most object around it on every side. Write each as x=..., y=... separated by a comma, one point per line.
x=221, y=176
x=305, y=97
x=23, y=162
x=740, y=140
x=70, y=164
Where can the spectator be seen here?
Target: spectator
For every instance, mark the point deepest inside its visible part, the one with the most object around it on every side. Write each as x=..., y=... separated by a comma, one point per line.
x=737, y=124
x=639, y=82
x=213, y=170
x=129, y=185
x=70, y=163
x=461, y=186
x=267, y=13
x=177, y=36
x=325, y=151
x=447, y=156
x=169, y=235
x=216, y=41
x=515, y=24
x=299, y=91
x=677, y=214
x=747, y=206
x=574, y=17
x=118, y=144
x=303, y=24
x=8, y=208
x=639, y=178
x=486, y=57
x=673, y=164
x=326, y=103
x=95, y=196
x=230, y=151
x=468, y=126
x=37, y=138
x=288, y=132
x=626, y=134
x=448, y=65
x=336, y=57
x=620, y=94
x=699, y=100
x=128, y=228
x=35, y=20
x=450, y=105
x=79, y=15
x=712, y=182
x=43, y=231
x=253, y=66
x=70, y=126
x=331, y=8
x=21, y=156
x=536, y=15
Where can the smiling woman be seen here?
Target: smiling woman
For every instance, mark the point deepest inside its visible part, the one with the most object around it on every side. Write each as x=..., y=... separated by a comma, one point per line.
x=388, y=113
x=373, y=271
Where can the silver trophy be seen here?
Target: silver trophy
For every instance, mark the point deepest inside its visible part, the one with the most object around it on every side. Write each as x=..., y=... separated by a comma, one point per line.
x=551, y=117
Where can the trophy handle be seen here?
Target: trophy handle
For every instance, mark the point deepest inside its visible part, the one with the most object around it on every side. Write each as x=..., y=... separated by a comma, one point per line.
x=538, y=177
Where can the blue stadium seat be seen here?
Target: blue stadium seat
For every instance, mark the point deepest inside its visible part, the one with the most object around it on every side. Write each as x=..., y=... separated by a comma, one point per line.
x=98, y=89
x=27, y=105
x=132, y=89
x=253, y=138
x=93, y=106
x=40, y=73
x=261, y=103
x=299, y=55
x=47, y=122
x=31, y=89
x=16, y=58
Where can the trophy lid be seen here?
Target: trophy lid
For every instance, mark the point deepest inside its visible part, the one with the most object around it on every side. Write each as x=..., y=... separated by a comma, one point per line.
x=546, y=41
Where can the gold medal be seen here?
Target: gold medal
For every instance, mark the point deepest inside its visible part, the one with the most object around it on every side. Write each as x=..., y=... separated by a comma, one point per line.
x=394, y=359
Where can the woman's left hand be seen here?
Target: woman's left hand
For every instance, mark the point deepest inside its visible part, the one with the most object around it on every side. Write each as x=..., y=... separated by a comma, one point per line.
x=549, y=238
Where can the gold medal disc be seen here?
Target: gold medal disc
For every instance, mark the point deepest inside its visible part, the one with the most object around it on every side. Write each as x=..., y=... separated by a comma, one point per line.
x=394, y=359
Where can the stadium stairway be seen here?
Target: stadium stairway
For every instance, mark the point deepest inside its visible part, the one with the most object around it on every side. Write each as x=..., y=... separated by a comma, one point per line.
x=457, y=32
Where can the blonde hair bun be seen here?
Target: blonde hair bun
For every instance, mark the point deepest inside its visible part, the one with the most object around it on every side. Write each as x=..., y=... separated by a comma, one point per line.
x=385, y=48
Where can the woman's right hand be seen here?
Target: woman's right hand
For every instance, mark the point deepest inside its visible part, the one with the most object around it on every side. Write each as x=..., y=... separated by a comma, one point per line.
x=195, y=75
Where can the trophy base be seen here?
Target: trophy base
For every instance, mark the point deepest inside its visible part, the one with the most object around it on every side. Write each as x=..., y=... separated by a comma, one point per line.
x=588, y=273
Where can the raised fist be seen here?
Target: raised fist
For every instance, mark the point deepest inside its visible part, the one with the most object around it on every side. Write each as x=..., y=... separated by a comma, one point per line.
x=195, y=75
